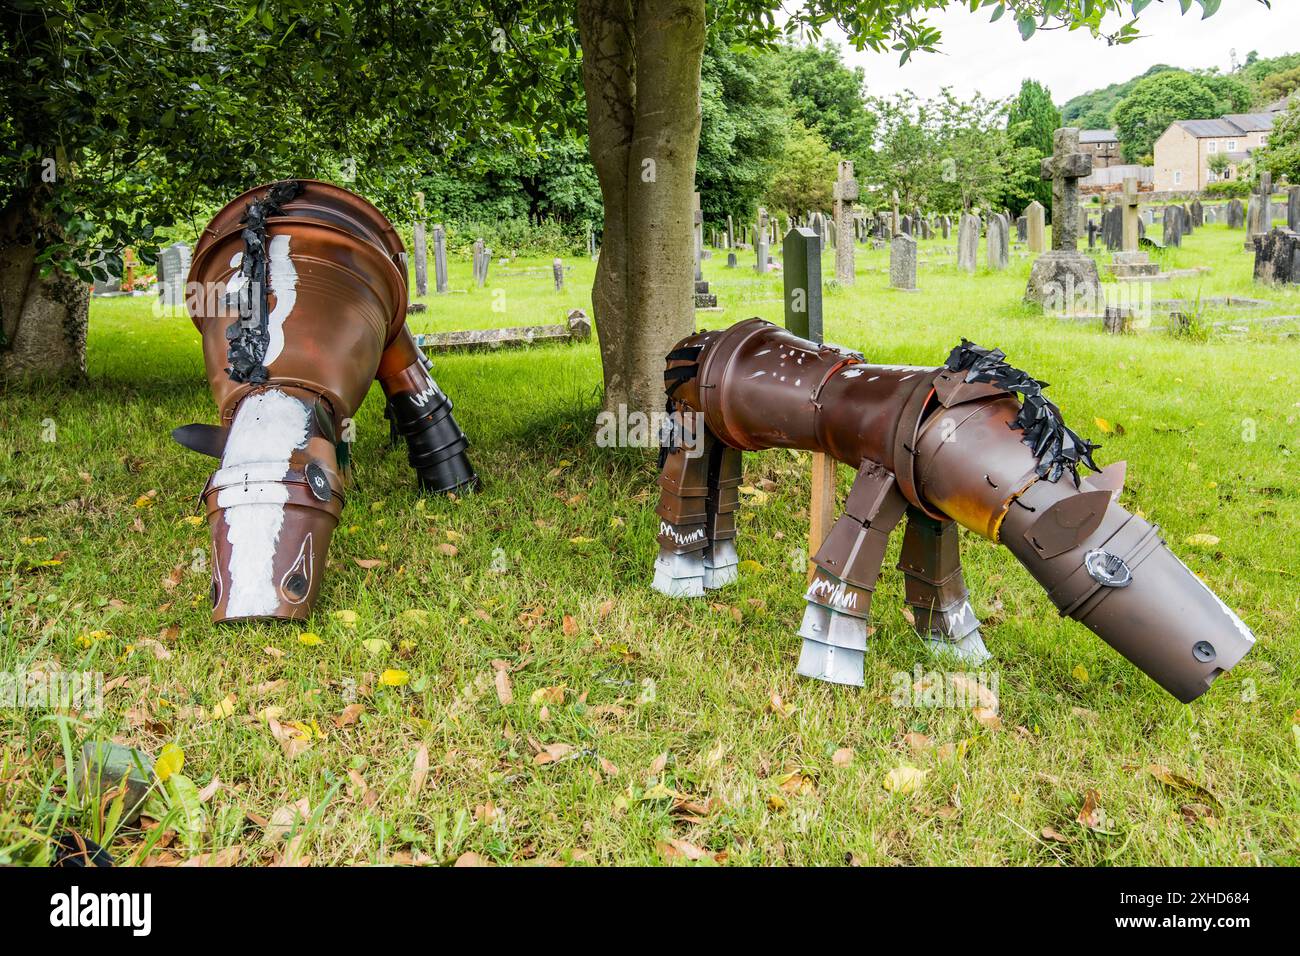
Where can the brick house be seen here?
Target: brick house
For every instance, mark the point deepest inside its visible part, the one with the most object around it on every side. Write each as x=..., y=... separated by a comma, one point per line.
x=1182, y=153
x=1103, y=144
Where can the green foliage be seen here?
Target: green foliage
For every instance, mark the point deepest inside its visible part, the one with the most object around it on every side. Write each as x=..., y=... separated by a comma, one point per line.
x=830, y=98
x=1156, y=102
x=1229, y=188
x=744, y=116
x=1280, y=84
x=1281, y=156
x=1093, y=110
x=1032, y=118
x=803, y=179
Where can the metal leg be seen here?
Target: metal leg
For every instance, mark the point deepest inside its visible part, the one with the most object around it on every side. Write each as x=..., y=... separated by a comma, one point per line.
x=691, y=516
x=847, y=565
x=935, y=590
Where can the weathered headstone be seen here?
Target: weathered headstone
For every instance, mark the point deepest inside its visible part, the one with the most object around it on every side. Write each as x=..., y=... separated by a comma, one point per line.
x=421, y=250
x=482, y=260
x=902, y=263
x=440, y=258
x=999, y=242
x=1293, y=209
x=760, y=242
x=1036, y=227
x=1064, y=273
x=802, y=279
x=945, y=224
x=1236, y=215
x=1277, y=257
x=1198, y=213
x=557, y=273
x=731, y=260
x=1022, y=228
x=173, y=268
x=1189, y=225
x=1259, y=224
x=846, y=194
x=968, y=241
x=1173, y=235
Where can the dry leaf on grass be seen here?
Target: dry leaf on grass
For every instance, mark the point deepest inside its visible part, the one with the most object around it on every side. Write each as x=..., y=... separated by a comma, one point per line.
x=505, y=696
x=350, y=715
x=842, y=757
x=905, y=779
x=420, y=772
x=552, y=752
x=225, y=857
x=1090, y=814
x=1178, y=784
x=918, y=743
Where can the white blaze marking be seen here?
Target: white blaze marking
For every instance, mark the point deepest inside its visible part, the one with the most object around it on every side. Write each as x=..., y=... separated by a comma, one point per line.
x=268, y=427
x=284, y=283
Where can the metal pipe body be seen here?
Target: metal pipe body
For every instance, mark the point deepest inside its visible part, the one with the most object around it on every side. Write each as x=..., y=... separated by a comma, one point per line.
x=961, y=447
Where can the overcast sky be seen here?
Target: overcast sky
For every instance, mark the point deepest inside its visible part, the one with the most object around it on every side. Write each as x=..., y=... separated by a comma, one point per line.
x=992, y=59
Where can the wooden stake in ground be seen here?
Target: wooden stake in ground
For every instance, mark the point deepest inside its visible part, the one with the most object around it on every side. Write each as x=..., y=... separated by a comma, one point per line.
x=802, y=274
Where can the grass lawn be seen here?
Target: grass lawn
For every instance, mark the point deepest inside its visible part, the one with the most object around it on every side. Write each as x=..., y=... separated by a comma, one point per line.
x=639, y=729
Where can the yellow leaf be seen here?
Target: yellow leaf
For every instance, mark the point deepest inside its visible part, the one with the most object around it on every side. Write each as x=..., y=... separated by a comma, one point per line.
x=36, y=540
x=751, y=567
x=308, y=638
x=194, y=520
x=170, y=760
x=377, y=646
x=225, y=708
x=144, y=501
x=1080, y=673
x=345, y=616
x=394, y=678
x=1201, y=540
x=904, y=779
x=1102, y=425
x=580, y=540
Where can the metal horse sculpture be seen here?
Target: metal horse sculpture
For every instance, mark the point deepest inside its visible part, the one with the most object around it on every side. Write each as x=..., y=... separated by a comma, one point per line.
x=944, y=446
x=299, y=291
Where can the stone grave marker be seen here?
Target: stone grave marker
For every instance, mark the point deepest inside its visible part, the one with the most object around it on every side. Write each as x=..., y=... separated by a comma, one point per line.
x=846, y=193
x=902, y=263
x=1064, y=268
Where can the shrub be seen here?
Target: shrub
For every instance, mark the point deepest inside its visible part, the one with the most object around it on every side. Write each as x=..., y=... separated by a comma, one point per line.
x=1229, y=188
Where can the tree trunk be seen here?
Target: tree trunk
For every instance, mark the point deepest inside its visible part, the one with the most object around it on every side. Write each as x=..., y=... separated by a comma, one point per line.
x=42, y=319
x=641, y=71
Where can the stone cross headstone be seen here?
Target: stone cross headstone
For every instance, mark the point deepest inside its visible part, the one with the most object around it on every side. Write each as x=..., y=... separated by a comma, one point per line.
x=1065, y=275
x=846, y=194
x=1036, y=227
x=440, y=257
x=1131, y=214
x=968, y=241
x=1130, y=262
x=421, y=248
x=173, y=268
x=802, y=276
x=999, y=242
x=902, y=263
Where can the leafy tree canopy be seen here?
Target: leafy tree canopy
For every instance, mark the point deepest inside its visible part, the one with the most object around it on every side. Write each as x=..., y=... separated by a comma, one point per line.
x=1156, y=102
x=1032, y=119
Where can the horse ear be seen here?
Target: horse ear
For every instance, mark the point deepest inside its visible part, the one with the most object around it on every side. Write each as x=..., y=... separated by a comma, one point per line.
x=205, y=439
x=1068, y=523
x=1111, y=478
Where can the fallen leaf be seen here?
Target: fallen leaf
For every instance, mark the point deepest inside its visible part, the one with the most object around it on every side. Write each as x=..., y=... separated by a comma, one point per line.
x=470, y=858
x=350, y=715
x=604, y=610
x=394, y=678
x=448, y=550
x=308, y=638
x=552, y=752
x=1201, y=540
x=1178, y=783
x=368, y=563
x=570, y=626
x=1080, y=673
x=919, y=743
x=779, y=707
x=842, y=757
x=170, y=761
x=988, y=718
x=420, y=772
x=1055, y=837
x=505, y=696
x=905, y=779
x=1090, y=814
x=155, y=647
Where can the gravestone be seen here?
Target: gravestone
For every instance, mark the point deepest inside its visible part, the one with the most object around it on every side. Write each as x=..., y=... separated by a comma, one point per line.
x=1093, y=228
x=1173, y=235
x=1022, y=229
x=1277, y=258
x=1130, y=262
x=731, y=260
x=421, y=250
x=557, y=273
x=902, y=263
x=802, y=277
x=1262, y=221
x=846, y=193
x=905, y=226
x=482, y=260
x=895, y=224
x=760, y=242
x=945, y=225
x=968, y=241
x=440, y=258
x=1236, y=216
x=1064, y=269
x=1198, y=213
x=926, y=232
x=1189, y=226
x=173, y=267
x=1293, y=209
x=999, y=242
x=1036, y=227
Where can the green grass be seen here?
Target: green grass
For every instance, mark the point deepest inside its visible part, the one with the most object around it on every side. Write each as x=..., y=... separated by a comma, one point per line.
x=660, y=698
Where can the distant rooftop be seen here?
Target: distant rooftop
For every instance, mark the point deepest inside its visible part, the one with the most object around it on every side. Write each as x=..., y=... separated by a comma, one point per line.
x=1282, y=105
x=1234, y=124
x=1098, y=136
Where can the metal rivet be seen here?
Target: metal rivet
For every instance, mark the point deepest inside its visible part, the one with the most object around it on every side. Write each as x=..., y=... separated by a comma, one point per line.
x=1203, y=651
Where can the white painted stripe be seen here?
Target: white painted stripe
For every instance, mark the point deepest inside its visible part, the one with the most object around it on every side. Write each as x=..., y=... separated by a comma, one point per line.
x=284, y=283
x=268, y=427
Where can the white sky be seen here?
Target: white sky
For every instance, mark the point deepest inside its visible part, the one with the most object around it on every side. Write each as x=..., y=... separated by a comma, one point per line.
x=976, y=55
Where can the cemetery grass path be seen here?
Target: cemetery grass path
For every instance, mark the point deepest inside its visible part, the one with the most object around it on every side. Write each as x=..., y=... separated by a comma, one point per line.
x=668, y=730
